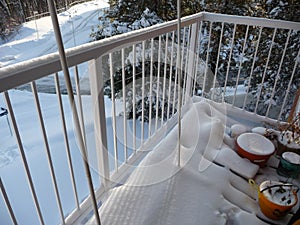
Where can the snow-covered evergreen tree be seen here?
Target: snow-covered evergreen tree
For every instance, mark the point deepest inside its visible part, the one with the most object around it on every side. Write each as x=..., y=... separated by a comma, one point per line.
x=270, y=79
x=127, y=15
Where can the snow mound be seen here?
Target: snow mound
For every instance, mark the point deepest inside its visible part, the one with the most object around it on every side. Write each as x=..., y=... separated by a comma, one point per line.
x=161, y=192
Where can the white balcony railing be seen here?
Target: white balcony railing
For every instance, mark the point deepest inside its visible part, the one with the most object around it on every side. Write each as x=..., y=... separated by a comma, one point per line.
x=139, y=71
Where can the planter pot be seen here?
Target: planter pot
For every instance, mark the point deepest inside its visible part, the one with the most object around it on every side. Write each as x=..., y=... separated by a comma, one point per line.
x=289, y=165
x=276, y=199
x=284, y=146
x=255, y=147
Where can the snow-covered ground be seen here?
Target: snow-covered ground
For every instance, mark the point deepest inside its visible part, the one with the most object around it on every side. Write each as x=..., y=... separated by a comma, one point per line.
x=157, y=196
x=11, y=167
x=36, y=38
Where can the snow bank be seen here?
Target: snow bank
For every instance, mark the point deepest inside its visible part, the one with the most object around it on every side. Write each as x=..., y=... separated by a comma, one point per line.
x=160, y=192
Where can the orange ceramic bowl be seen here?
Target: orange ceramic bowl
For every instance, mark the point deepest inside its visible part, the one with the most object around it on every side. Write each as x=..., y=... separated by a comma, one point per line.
x=271, y=204
x=255, y=147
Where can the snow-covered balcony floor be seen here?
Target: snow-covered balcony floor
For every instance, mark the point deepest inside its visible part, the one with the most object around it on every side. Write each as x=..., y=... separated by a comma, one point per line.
x=211, y=185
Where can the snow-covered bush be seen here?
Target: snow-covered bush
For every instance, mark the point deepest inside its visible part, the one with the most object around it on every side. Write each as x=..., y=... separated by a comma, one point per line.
x=109, y=27
x=158, y=92
x=268, y=83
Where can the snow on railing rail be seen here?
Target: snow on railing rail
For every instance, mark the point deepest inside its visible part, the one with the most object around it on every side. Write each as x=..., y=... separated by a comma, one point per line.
x=225, y=58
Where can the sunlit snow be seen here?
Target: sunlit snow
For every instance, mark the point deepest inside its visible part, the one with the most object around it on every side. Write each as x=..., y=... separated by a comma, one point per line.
x=210, y=187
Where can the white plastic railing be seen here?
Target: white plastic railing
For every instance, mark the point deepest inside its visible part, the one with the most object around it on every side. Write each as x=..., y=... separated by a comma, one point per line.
x=147, y=64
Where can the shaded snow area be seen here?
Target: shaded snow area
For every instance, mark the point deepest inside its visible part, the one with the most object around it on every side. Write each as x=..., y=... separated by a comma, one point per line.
x=12, y=169
x=210, y=187
x=36, y=38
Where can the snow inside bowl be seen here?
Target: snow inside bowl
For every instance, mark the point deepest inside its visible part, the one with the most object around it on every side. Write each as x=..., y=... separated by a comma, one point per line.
x=255, y=147
x=276, y=199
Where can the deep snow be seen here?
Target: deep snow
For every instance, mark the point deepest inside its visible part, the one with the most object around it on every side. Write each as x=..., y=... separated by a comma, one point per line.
x=205, y=189
x=148, y=197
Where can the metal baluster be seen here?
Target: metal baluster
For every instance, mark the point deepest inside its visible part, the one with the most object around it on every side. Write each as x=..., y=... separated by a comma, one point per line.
x=175, y=92
x=165, y=80
x=252, y=67
x=170, y=77
x=79, y=98
x=186, y=67
x=157, y=83
x=47, y=148
x=278, y=72
x=191, y=63
x=151, y=87
x=198, y=40
x=143, y=91
x=66, y=140
x=217, y=63
x=134, y=97
x=265, y=71
x=289, y=85
x=206, y=61
x=124, y=105
x=240, y=66
x=182, y=62
x=23, y=156
x=229, y=61
x=112, y=86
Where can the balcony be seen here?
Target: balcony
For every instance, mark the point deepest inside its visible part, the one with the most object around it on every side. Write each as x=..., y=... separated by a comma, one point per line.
x=110, y=141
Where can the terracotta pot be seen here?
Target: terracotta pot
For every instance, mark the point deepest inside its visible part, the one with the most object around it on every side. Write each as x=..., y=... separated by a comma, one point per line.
x=276, y=206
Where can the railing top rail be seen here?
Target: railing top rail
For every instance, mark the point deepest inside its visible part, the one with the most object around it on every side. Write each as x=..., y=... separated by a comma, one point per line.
x=24, y=72
x=252, y=21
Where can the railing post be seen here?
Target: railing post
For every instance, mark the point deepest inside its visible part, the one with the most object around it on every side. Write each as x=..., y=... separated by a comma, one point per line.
x=191, y=61
x=98, y=107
